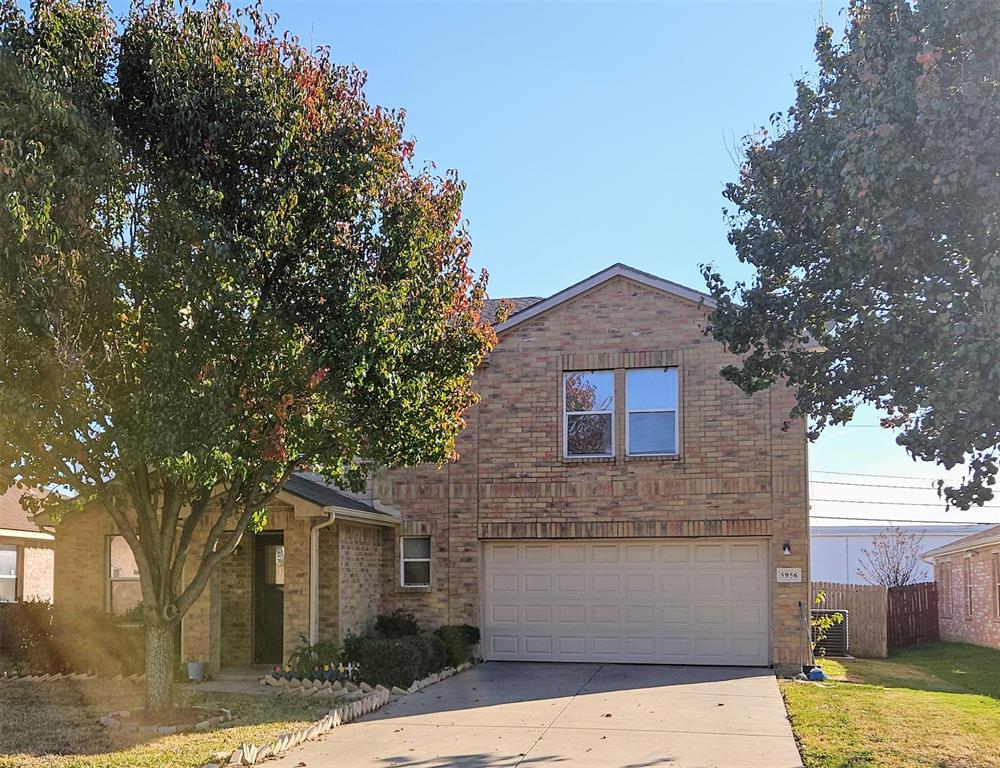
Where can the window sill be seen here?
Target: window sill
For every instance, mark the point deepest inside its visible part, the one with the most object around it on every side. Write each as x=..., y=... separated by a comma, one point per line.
x=588, y=459
x=415, y=588
x=655, y=457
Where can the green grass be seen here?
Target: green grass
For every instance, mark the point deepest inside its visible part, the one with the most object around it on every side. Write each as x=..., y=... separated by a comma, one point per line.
x=932, y=706
x=56, y=725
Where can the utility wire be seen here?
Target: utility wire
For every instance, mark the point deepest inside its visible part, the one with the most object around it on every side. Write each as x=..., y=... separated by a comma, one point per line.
x=890, y=520
x=873, y=485
x=894, y=503
x=863, y=474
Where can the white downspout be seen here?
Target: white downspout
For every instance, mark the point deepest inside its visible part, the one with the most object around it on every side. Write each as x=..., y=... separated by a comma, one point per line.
x=314, y=574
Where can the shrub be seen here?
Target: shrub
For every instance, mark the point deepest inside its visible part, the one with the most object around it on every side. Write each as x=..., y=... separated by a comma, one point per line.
x=308, y=660
x=456, y=643
x=399, y=623
x=392, y=660
x=40, y=638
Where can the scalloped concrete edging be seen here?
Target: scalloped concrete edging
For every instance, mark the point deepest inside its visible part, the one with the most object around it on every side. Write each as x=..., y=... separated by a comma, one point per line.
x=51, y=678
x=120, y=720
x=372, y=700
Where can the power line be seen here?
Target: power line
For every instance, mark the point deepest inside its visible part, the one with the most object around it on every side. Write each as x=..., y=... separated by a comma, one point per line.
x=890, y=520
x=863, y=474
x=873, y=485
x=894, y=503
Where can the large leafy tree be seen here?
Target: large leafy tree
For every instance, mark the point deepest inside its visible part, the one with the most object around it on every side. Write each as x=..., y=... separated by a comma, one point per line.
x=217, y=266
x=871, y=215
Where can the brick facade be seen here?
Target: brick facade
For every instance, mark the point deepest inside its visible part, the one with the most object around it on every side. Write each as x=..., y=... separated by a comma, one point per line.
x=741, y=470
x=960, y=623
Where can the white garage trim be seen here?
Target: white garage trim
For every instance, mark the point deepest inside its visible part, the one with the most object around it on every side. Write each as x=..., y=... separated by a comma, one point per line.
x=656, y=601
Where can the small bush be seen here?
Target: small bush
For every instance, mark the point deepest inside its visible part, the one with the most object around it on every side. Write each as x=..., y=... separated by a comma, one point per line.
x=456, y=643
x=391, y=660
x=399, y=623
x=308, y=660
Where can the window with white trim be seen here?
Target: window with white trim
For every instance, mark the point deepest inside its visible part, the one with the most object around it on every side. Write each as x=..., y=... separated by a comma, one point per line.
x=415, y=561
x=968, y=588
x=996, y=585
x=944, y=579
x=589, y=414
x=124, y=592
x=651, y=405
x=8, y=574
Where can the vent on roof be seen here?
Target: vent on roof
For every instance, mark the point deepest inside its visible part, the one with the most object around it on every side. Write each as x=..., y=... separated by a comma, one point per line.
x=836, y=642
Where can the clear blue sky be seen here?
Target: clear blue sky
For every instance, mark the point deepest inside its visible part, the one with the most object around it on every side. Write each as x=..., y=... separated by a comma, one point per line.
x=591, y=133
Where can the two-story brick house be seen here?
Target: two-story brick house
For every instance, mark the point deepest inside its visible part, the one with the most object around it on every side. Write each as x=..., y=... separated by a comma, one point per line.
x=615, y=500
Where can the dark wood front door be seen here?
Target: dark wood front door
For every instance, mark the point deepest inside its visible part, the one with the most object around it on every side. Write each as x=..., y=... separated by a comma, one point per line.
x=268, y=597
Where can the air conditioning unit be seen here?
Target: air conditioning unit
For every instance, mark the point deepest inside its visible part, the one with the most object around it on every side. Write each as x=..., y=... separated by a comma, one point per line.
x=837, y=639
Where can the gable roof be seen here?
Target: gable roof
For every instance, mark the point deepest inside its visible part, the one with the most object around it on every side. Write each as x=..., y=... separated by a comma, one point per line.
x=615, y=270
x=976, y=540
x=312, y=487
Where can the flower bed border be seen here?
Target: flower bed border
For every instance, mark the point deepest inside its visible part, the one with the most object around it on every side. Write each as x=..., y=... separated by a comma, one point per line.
x=378, y=697
x=121, y=720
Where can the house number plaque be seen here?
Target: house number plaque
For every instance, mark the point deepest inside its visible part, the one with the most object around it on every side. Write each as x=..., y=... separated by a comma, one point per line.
x=789, y=575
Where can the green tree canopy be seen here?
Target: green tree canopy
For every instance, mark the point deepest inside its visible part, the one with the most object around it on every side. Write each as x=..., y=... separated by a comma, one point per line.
x=217, y=266
x=871, y=215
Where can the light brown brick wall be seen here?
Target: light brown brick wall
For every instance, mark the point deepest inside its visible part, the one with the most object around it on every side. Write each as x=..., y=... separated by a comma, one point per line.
x=360, y=556
x=983, y=627
x=38, y=566
x=236, y=611
x=328, y=618
x=80, y=562
x=741, y=469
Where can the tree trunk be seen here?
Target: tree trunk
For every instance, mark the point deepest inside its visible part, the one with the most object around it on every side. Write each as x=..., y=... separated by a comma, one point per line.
x=159, y=666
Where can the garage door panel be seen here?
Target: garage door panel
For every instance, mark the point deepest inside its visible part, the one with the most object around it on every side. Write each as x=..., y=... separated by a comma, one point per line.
x=657, y=601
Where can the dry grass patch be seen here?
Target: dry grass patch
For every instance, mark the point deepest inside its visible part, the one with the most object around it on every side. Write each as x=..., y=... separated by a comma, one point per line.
x=56, y=725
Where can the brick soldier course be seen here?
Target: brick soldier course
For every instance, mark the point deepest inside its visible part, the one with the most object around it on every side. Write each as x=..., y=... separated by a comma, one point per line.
x=740, y=472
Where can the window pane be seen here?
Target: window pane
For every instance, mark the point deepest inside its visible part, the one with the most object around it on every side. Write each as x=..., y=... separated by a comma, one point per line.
x=589, y=435
x=125, y=595
x=594, y=391
x=652, y=433
x=417, y=548
x=651, y=388
x=416, y=573
x=8, y=561
x=122, y=563
x=8, y=590
x=274, y=564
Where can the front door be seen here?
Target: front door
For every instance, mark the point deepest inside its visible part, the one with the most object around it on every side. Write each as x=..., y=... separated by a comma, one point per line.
x=269, y=597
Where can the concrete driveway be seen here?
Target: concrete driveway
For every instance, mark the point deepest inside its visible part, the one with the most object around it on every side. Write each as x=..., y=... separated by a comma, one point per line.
x=626, y=716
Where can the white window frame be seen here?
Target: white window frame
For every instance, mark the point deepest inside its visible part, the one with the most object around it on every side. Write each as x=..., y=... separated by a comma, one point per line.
x=947, y=609
x=17, y=568
x=968, y=587
x=567, y=413
x=996, y=585
x=403, y=559
x=109, y=579
x=675, y=411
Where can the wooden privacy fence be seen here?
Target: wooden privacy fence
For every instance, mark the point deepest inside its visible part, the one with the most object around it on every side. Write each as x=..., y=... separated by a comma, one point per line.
x=913, y=614
x=867, y=610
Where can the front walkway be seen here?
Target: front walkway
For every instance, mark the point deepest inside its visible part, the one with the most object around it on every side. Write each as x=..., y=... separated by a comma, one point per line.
x=587, y=715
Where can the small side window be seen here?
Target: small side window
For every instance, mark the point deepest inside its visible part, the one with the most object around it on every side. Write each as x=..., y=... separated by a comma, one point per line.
x=124, y=592
x=8, y=574
x=415, y=561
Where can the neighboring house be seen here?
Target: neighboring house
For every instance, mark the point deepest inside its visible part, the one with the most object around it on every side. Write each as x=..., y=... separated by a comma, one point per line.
x=967, y=573
x=615, y=500
x=837, y=551
x=25, y=552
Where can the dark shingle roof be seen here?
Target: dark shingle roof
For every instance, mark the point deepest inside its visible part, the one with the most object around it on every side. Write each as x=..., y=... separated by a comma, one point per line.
x=517, y=304
x=981, y=538
x=312, y=487
x=12, y=515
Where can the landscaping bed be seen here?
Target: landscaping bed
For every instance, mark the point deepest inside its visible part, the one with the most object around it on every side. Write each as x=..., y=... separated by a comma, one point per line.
x=934, y=705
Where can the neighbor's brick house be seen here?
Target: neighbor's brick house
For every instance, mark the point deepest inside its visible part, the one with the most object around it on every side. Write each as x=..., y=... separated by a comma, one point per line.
x=25, y=552
x=967, y=573
x=615, y=499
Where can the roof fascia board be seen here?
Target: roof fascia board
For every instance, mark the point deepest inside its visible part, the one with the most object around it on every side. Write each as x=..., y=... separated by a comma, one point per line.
x=617, y=270
x=16, y=533
x=369, y=518
x=958, y=546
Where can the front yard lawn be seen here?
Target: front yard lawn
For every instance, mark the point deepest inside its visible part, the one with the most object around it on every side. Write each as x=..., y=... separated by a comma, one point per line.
x=935, y=705
x=56, y=725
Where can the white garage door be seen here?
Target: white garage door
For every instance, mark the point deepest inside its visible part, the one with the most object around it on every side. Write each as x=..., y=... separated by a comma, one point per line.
x=656, y=601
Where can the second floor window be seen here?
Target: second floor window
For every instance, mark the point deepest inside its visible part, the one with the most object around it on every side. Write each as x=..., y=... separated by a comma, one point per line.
x=589, y=413
x=651, y=400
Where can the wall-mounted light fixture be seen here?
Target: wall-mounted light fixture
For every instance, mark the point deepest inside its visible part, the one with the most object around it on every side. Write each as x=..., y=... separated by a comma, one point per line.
x=786, y=550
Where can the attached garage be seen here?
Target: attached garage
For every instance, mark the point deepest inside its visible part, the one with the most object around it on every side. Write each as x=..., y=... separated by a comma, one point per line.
x=654, y=601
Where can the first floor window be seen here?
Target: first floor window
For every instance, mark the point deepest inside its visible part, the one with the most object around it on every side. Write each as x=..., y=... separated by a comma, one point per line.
x=415, y=568
x=968, y=587
x=651, y=402
x=996, y=585
x=945, y=581
x=8, y=574
x=589, y=413
x=124, y=592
